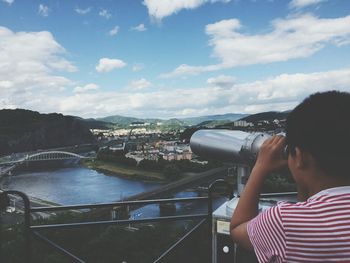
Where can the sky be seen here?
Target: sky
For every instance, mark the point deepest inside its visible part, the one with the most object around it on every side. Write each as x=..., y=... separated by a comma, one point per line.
x=170, y=58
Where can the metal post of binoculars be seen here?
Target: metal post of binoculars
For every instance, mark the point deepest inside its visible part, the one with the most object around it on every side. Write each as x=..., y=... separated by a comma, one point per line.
x=243, y=172
x=231, y=146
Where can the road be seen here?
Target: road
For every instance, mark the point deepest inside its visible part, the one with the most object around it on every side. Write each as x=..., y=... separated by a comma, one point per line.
x=192, y=179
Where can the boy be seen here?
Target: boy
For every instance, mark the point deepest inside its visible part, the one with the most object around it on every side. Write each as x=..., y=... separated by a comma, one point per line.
x=317, y=229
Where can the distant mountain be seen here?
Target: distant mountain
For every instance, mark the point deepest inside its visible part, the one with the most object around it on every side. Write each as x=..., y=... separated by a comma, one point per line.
x=174, y=122
x=119, y=119
x=24, y=130
x=268, y=116
x=213, y=124
x=95, y=124
x=190, y=121
x=255, y=118
x=222, y=117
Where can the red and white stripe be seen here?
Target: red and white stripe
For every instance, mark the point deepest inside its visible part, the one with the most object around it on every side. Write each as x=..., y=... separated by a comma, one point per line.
x=317, y=230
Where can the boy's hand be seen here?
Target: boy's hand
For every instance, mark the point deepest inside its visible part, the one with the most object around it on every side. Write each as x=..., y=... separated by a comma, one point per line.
x=270, y=157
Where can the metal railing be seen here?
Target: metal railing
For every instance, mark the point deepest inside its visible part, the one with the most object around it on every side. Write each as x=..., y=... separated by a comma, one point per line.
x=34, y=230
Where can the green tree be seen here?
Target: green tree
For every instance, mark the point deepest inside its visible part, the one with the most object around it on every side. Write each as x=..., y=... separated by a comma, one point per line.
x=171, y=171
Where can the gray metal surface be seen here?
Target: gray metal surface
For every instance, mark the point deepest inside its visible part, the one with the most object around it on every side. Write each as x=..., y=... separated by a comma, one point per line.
x=227, y=145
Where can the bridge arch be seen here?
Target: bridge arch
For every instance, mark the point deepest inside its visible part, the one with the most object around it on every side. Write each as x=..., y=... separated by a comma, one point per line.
x=53, y=155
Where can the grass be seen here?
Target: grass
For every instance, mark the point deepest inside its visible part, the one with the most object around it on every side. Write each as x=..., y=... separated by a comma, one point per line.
x=42, y=202
x=113, y=168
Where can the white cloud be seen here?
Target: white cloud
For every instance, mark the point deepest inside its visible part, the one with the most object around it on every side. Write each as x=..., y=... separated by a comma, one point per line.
x=43, y=10
x=295, y=37
x=29, y=62
x=140, y=28
x=222, y=81
x=5, y=84
x=83, y=11
x=191, y=70
x=62, y=65
x=9, y=2
x=277, y=93
x=303, y=3
x=140, y=84
x=108, y=64
x=28, y=68
x=86, y=88
x=105, y=13
x=114, y=31
x=38, y=90
x=157, y=10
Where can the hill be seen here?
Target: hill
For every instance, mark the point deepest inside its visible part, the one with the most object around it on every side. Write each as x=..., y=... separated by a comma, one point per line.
x=122, y=120
x=266, y=116
x=223, y=117
x=96, y=124
x=24, y=130
x=174, y=122
x=213, y=124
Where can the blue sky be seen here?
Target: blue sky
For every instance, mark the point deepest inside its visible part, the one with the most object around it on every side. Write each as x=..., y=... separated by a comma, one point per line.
x=170, y=58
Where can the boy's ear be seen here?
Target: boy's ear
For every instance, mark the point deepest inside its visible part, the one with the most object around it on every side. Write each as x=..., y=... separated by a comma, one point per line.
x=303, y=158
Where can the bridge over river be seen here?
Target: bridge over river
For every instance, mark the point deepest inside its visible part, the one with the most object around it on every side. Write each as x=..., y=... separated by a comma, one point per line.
x=8, y=165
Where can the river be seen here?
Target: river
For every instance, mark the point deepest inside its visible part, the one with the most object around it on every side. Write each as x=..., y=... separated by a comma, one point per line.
x=76, y=185
x=81, y=185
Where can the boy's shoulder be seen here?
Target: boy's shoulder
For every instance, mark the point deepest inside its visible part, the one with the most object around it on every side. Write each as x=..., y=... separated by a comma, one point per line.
x=324, y=202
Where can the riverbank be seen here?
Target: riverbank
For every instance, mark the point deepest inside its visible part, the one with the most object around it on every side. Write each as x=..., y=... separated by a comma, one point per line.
x=112, y=168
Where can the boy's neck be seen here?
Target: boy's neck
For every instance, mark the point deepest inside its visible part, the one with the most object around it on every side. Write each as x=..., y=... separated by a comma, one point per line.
x=323, y=182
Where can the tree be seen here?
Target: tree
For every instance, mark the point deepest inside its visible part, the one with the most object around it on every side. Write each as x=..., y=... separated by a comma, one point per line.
x=171, y=171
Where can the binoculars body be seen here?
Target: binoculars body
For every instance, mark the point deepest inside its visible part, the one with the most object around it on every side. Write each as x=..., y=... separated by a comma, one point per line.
x=227, y=145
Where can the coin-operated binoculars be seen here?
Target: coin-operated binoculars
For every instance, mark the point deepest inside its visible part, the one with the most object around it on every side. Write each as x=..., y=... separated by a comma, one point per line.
x=241, y=149
x=238, y=147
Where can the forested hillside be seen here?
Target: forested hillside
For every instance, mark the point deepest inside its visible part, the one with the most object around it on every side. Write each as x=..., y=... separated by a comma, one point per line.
x=24, y=130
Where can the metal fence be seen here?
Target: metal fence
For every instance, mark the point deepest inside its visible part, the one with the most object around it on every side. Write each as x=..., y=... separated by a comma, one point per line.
x=36, y=230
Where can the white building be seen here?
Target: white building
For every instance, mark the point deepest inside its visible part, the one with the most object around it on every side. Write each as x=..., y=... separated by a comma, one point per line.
x=242, y=123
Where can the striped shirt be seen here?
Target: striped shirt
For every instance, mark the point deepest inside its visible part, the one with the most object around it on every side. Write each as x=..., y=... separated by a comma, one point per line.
x=317, y=230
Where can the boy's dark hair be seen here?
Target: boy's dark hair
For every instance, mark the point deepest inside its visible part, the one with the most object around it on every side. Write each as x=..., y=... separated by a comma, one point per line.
x=320, y=125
